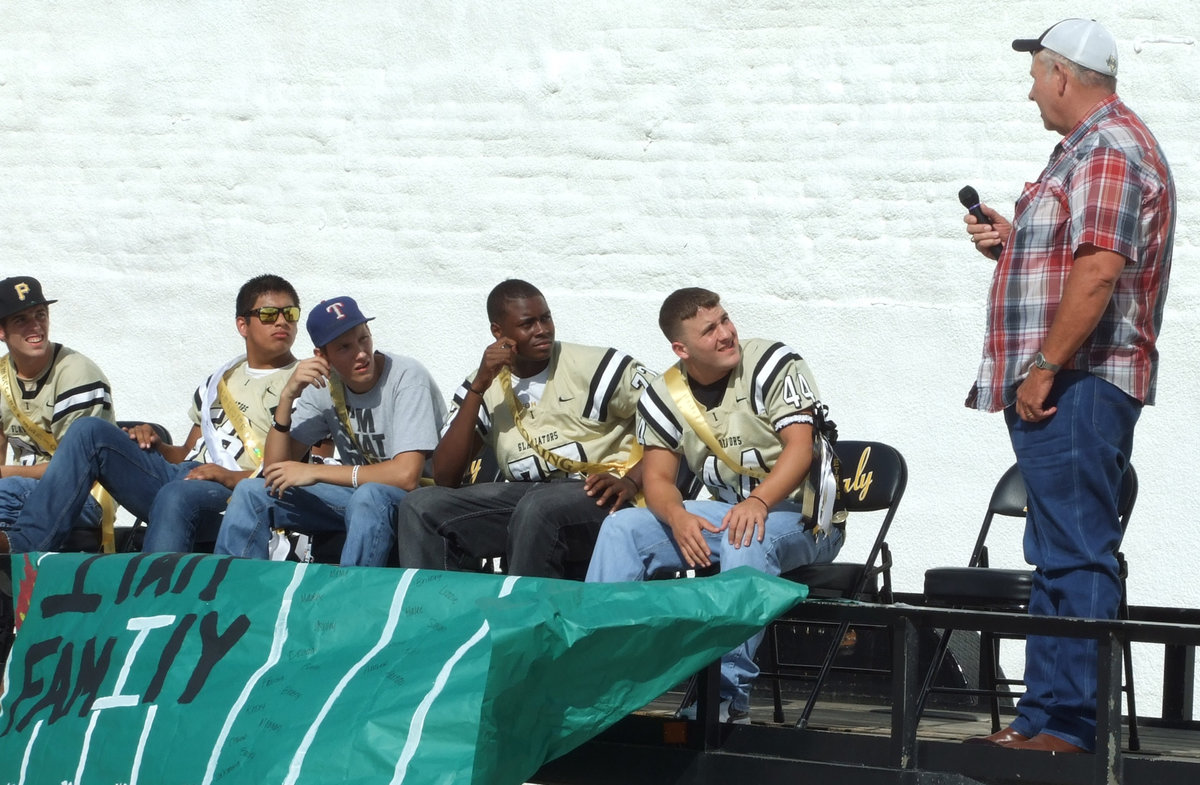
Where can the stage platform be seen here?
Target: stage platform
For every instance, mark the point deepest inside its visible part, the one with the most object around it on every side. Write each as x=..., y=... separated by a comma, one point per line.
x=883, y=744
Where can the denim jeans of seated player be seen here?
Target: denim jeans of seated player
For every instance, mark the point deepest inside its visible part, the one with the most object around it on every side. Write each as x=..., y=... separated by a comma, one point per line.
x=92, y=450
x=13, y=493
x=365, y=514
x=633, y=544
x=186, y=514
x=1072, y=464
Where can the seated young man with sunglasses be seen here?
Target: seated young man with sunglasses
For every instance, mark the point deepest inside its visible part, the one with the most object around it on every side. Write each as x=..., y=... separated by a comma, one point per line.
x=383, y=413
x=181, y=490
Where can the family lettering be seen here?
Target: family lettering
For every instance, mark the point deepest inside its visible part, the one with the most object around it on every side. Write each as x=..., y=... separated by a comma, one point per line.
x=61, y=677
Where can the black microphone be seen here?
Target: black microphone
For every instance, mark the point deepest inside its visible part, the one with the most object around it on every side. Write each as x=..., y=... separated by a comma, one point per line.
x=970, y=200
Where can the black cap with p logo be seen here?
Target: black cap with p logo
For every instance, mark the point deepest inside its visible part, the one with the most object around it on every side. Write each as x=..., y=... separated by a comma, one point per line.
x=18, y=293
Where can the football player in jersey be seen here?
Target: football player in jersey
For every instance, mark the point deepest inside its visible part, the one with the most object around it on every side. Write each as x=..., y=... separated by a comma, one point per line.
x=754, y=400
x=383, y=412
x=182, y=490
x=559, y=418
x=44, y=388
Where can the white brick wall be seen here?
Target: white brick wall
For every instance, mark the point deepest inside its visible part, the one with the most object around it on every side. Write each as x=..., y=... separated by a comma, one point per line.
x=801, y=158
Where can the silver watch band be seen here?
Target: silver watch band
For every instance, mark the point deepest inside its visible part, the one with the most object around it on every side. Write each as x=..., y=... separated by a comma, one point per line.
x=1040, y=361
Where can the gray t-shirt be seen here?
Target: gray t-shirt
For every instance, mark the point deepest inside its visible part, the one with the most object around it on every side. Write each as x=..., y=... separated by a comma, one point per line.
x=402, y=412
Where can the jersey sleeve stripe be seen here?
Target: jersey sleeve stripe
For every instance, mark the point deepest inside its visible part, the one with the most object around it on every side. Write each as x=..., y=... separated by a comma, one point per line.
x=604, y=384
x=658, y=416
x=198, y=398
x=483, y=423
x=773, y=362
x=84, y=397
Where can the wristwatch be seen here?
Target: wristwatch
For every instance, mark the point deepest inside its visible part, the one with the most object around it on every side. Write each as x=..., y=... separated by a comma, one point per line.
x=1040, y=361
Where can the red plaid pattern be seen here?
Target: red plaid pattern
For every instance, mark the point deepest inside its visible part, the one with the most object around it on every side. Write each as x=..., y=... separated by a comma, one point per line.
x=1107, y=185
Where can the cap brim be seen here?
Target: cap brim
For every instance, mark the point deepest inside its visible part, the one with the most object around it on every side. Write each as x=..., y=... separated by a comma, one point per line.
x=1027, y=45
x=359, y=323
x=16, y=311
x=330, y=339
x=34, y=305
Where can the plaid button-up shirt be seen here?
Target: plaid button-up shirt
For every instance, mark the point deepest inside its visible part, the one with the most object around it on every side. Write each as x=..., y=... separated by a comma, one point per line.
x=1107, y=185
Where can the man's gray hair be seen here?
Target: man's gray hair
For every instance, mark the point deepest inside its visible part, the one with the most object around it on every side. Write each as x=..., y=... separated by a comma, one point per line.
x=1086, y=76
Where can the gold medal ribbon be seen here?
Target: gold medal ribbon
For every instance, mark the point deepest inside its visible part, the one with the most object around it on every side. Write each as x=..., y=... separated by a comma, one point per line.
x=561, y=462
x=337, y=392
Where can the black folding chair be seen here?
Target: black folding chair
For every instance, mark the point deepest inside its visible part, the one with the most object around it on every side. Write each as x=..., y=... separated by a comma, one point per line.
x=873, y=478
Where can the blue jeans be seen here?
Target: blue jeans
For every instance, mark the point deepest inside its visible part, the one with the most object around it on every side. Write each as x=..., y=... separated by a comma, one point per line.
x=633, y=544
x=185, y=512
x=1072, y=465
x=92, y=450
x=364, y=514
x=14, y=492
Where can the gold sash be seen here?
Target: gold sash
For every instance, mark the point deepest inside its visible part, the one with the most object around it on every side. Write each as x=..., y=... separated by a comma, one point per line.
x=686, y=403
x=825, y=463
x=48, y=444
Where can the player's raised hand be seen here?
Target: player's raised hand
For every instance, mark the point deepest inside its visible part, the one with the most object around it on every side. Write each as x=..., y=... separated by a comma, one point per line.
x=497, y=355
x=314, y=371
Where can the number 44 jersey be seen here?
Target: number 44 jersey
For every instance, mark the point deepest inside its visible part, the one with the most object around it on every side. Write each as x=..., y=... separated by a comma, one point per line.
x=770, y=389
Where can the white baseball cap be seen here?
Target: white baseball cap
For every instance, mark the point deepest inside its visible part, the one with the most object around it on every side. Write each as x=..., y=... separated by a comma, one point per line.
x=1082, y=41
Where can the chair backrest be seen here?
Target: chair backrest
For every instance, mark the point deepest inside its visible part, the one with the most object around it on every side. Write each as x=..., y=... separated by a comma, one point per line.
x=1009, y=500
x=873, y=476
x=483, y=468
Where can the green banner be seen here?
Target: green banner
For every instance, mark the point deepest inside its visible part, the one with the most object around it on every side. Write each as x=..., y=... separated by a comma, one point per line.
x=174, y=668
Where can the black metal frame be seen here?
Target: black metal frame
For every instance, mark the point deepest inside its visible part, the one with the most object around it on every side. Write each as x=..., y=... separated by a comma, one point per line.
x=656, y=751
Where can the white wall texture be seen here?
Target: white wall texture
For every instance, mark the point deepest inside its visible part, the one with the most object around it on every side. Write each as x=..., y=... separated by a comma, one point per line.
x=802, y=158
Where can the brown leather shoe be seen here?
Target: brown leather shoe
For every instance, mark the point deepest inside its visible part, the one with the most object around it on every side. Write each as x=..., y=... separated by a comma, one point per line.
x=1047, y=743
x=4, y=546
x=1001, y=738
